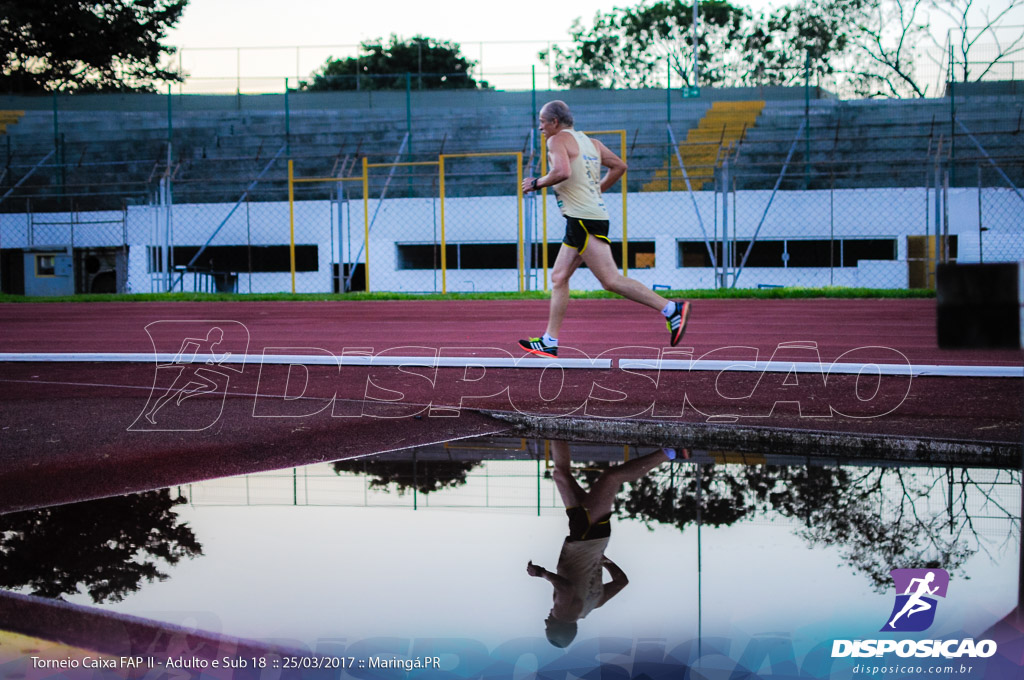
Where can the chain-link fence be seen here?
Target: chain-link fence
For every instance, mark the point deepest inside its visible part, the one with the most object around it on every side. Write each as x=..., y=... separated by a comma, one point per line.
x=155, y=193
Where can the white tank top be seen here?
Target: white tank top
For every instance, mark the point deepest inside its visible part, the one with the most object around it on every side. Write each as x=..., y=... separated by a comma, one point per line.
x=580, y=563
x=580, y=195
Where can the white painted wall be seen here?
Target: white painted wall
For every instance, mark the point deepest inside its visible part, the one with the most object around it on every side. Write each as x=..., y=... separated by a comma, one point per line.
x=664, y=218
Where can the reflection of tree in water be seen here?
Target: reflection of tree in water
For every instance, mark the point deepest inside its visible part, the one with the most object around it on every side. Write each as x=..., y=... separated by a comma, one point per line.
x=425, y=475
x=107, y=546
x=877, y=518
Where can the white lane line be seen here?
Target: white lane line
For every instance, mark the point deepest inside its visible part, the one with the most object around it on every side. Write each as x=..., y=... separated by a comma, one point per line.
x=914, y=370
x=305, y=359
x=347, y=360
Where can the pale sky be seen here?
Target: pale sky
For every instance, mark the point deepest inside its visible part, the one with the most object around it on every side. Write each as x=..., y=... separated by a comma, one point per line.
x=503, y=41
x=253, y=45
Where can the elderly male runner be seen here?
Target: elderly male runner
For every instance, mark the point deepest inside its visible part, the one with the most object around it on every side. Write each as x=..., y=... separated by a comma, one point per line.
x=578, y=581
x=575, y=161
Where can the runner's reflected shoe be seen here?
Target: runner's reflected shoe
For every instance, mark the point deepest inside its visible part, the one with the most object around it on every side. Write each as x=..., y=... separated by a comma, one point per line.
x=537, y=346
x=677, y=322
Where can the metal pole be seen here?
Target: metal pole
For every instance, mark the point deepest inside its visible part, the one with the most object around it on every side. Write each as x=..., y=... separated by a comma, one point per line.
x=832, y=232
x=444, y=249
x=287, y=122
x=668, y=114
x=696, y=51
x=169, y=218
x=170, y=125
x=408, y=119
x=952, y=113
x=519, y=217
x=981, y=229
x=945, y=216
x=726, y=251
x=938, y=206
x=807, y=120
x=56, y=145
x=366, y=225
x=538, y=486
x=291, y=219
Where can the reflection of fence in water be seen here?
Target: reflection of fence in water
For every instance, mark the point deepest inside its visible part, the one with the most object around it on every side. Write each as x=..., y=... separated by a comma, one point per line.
x=950, y=501
x=508, y=485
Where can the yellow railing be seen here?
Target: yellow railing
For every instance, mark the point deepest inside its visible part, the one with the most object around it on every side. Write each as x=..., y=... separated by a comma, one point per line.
x=519, y=204
x=365, y=179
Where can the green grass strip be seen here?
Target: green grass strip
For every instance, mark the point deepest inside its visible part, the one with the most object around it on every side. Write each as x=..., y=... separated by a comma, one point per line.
x=707, y=294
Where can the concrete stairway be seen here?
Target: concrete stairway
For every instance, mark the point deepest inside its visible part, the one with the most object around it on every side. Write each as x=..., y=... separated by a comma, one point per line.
x=724, y=125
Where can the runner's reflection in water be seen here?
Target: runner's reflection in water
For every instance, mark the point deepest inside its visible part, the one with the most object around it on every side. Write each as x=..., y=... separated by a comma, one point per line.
x=579, y=579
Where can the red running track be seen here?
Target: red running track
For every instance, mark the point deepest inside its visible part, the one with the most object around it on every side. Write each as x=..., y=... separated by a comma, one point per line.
x=591, y=326
x=66, y=427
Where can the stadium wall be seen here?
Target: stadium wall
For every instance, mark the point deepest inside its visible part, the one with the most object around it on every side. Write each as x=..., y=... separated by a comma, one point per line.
x=664, y=218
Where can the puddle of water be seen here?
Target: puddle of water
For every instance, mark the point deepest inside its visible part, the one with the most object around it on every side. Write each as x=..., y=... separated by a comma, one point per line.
x=382, y=555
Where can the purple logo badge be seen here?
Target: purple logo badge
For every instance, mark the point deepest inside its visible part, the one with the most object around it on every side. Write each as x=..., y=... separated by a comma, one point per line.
x=916, y=590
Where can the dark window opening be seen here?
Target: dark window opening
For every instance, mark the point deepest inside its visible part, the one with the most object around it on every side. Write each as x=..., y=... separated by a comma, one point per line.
x=458, y=256
x=640, y=254
x=855, y=250
x=12, y=271
x=255, y=259
x=348, y=278
x=793, y=252
x=816, y=253
x=504, y=255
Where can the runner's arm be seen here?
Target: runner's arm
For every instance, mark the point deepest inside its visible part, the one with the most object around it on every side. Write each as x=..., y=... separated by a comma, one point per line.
x=616, y=166
x=559, y=171
x=618, y=582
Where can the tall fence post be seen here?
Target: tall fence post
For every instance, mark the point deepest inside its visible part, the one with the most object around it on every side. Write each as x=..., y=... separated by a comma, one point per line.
x=668, y=114
x=726, y=250
x=59, y=156
x=981, y=228
x=287, y=121
x=807, y=119
x=952, y=114
x=291, y=219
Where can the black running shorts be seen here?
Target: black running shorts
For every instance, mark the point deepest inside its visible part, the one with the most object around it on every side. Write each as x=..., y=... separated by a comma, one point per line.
x=579, y=231
x=582, y=529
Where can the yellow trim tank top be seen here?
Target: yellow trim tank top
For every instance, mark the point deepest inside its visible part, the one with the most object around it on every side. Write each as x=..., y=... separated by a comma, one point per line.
x=580, y=195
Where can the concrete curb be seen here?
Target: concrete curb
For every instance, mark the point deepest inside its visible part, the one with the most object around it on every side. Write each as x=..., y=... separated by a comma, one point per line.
x=838, y=445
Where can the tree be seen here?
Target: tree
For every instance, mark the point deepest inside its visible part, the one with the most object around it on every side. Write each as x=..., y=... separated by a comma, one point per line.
x=626, y=47
x=87, y=46
x=108, y=546
x=778, y=46
x=974, y=33
x=629, y=47
x=876, y=519
x=886, y=50
x=893, y=38
x=433, y=64
x=424, y=476
x=865, y=47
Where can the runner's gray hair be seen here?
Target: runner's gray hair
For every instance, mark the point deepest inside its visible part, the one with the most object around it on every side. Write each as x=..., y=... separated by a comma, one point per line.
x=559, y=111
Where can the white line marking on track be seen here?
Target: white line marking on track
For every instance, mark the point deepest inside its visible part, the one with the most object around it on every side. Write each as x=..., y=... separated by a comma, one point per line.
x=304, y=359
x=349, y=360
x=914, y=370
